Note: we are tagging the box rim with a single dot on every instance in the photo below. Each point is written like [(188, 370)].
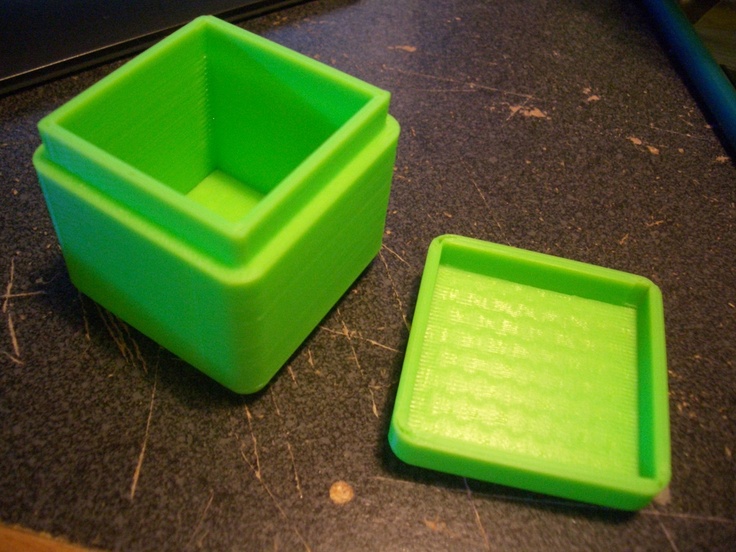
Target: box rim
[(147, 188), (242, 273)]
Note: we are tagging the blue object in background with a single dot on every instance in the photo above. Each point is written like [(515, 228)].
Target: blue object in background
[(712, 84)]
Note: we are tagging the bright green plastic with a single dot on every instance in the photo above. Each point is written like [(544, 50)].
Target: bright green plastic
[(536, 372), (220, 193)]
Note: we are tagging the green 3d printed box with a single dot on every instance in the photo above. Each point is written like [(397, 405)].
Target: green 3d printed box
[(536, 372), (220, 193)]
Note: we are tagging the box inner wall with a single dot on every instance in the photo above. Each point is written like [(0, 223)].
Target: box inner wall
[(216, 121)]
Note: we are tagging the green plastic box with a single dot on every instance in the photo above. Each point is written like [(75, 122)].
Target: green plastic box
[(220, 192), (536, 372)]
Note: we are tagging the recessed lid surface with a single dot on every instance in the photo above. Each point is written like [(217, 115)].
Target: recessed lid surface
[(536, 372)]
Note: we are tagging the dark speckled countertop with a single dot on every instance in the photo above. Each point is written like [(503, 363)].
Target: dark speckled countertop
[(560, 127)]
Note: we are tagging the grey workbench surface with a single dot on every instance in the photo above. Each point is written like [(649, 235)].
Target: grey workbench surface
[(560, 127)]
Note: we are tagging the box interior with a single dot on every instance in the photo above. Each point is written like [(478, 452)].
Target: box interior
[(215, 119), (536, 362)]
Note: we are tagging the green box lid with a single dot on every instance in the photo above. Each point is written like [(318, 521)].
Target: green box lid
[(536, 372)]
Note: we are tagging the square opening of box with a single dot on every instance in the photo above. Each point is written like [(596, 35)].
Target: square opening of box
[(214, 121)]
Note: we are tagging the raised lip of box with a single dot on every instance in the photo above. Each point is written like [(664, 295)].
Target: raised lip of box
[(414, 447), (242, 274), (232, 243)]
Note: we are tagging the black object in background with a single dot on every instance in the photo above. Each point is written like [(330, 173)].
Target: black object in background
[(44, 39)]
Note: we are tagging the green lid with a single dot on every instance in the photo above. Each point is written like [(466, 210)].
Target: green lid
[(536, 372)]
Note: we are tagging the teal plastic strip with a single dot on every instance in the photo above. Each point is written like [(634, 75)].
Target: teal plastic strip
[(714, 87)]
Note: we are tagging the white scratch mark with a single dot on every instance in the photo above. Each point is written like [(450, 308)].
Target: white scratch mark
[(424, 75), (346, 333), (393, 287), (137, 472), (467, 86), (477, 515), (694, 517), (9, 287), (273, 400), (114, 330), (683, 134), (667, 534), (297, 480), (506, 92), (330, 330), (443, 90), (257, 469), (202, 516), (138, 354), (377, 344), (121, 335), (485, 202), (15, 357), (84, 316), (24, 294), (360, 337), (13, 337), (395, 254), (17, 361)]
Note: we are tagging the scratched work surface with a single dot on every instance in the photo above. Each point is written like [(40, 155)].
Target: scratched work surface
[(560, 127)]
